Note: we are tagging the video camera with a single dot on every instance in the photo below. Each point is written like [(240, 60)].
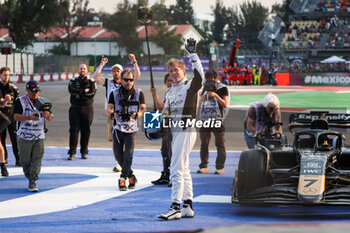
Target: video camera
[(43, 104), (210, 86), (124, 113)]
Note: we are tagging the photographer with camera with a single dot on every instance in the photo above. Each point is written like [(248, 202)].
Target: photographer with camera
[(125, 105), (30, 115), (260, 116), (11, 91), (213, 104), (81, 113)]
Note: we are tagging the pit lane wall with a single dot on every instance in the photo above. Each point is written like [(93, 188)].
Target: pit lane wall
[(313, 79)]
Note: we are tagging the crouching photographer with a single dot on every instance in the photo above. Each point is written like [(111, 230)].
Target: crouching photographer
[(125, 105), (263, 116), (30, 112)]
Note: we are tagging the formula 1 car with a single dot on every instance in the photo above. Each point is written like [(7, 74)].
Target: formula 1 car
[(314, 170)]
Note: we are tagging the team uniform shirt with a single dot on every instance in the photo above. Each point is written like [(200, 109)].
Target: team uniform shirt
[(76, 88), (29, 130)]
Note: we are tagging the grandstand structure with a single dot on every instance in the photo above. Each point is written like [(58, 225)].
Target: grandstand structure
[(317, 30)]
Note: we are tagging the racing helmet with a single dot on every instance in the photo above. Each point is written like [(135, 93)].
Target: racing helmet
[(153, 134)]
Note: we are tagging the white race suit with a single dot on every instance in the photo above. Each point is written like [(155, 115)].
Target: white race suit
[(180, 104)]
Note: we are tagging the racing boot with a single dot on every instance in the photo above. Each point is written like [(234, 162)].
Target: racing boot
[(187, 209), (173, 212), (4, 171)]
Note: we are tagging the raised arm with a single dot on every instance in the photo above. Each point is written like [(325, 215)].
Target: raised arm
[(136, 66), (97, 75), (190, 48)]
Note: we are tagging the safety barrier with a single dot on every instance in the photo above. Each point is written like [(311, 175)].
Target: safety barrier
[(50, 77), (313, 79)]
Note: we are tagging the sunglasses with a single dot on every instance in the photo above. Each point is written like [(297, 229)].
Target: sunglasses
[(128, 80)]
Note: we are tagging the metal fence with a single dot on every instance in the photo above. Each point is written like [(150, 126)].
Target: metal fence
[(52, 64), (19, 63)]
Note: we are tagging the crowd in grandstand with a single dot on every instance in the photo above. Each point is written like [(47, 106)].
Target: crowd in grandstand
[(240, 74), (315, 67), (333, 5)]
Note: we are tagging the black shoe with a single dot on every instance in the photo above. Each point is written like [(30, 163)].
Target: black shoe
[(132, 182), (18, 163), (84, 156), (32, 186), (4, 171), (163, 180), (71, 157)]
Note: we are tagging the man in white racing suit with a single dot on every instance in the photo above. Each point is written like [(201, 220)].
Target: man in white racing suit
[(180, 104)]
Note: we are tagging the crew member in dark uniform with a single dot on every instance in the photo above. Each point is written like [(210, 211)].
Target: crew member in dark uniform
[(81, 112), (7, 88)]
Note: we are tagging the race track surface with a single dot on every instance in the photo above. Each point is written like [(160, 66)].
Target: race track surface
[(82, 196)]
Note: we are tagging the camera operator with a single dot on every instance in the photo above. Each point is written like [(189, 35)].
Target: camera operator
[(31, 132), (257, 116), (10, 90), (125, 105), (81, 112), (213, 105), (111, 84)]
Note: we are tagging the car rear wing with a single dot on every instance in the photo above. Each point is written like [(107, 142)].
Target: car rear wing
[(303, 120)]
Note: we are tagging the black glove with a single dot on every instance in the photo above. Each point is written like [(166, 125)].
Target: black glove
[(190, 46)]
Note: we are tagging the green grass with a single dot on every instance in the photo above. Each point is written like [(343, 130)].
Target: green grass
[(314, 100)]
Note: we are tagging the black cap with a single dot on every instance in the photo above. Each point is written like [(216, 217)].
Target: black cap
[(33, 86)]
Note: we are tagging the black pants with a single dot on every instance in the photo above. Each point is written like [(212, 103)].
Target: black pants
[(166, 151), (12, 132), (219, 134), (123, 149), (80, 119)]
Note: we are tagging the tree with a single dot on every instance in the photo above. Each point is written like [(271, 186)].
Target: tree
[(282, 10), (246, 22), (76, 15), (167, 40), (160, 11), (124, 22), (25, 18), (181, 12), (220, 15), (163, 37)]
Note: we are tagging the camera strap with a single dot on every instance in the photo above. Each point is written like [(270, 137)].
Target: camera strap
[(31, 105)]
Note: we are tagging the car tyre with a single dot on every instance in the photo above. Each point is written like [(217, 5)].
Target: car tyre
[(252, 172)]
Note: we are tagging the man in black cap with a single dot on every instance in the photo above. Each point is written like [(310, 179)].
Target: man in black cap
[(81, 113), (31, 132), (7, 88)]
